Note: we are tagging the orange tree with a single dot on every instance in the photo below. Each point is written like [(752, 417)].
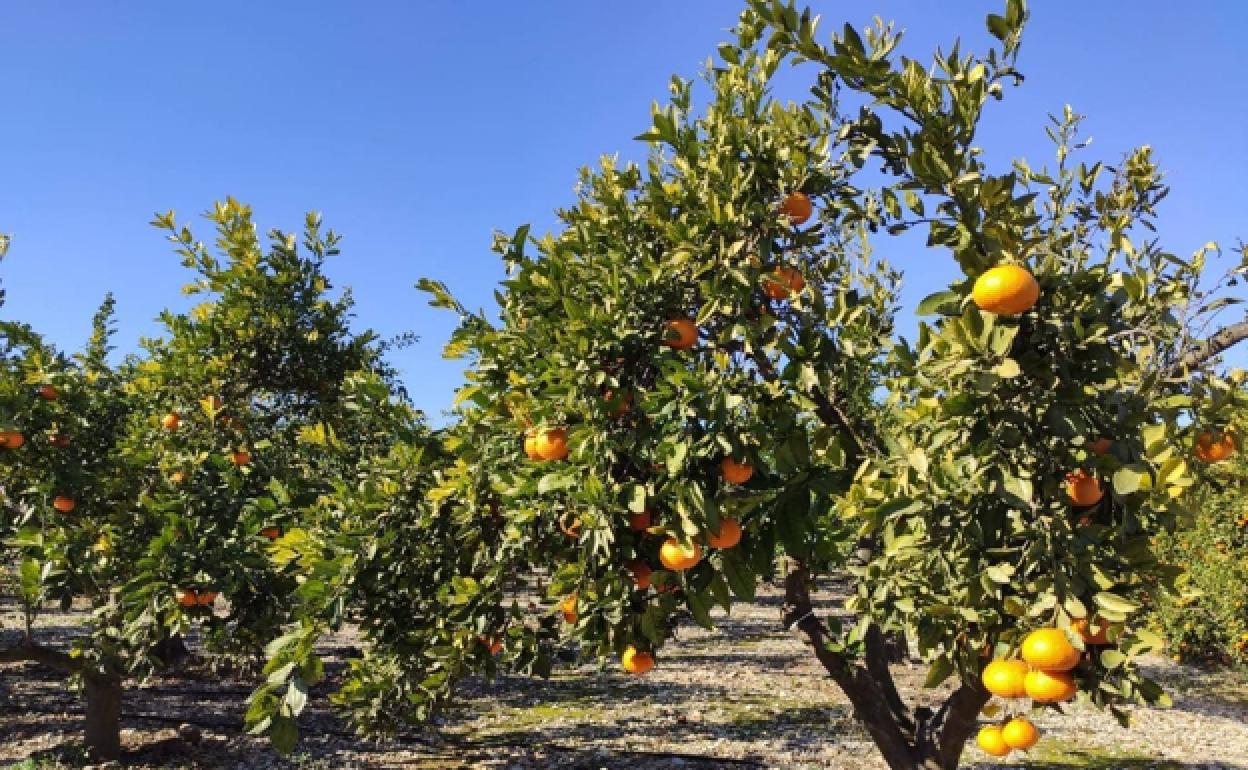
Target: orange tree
[(699, 373), (152, 489)]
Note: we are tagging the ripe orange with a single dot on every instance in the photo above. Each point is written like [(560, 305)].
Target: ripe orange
[(1214, 446), (1101, 446), (1020, 733), (241, 457), (641, 573), (48, 393), (797, 208), (11, 439), (186, 597), (1050, 686), (1006, 290), (678, 557), (530, 446), (1083, 488), (635, 661), (1085, 630), (1004, 678), (735, 472), (271, 533), (568, 608), (493, 645), (990, 740), (728, 536), (177, 477), (552, 444), (680, 334), (171, 421), (64, 504), (782, 282), (1048, 649), (639, 522), (59, 440), (205, 598)]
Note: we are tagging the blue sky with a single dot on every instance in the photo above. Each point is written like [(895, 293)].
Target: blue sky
[(419, 128)]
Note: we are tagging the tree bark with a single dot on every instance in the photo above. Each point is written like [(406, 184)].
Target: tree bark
[(1217, 343), (103, 718)]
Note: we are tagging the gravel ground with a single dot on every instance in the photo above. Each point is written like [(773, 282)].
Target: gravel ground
[(747, 695)]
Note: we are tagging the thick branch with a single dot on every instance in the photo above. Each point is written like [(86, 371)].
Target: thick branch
[(1215, 344), (877, 663), (28, 651)]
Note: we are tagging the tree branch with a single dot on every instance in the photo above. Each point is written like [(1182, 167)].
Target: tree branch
[(28, 651), (1216, 343)]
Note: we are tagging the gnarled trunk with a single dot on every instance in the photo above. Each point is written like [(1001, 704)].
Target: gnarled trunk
[(908, 740), (103, 728)]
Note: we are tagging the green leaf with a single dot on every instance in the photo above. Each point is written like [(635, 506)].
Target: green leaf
[(284, 734), (941, 669), (942, 302), (1127, 481)]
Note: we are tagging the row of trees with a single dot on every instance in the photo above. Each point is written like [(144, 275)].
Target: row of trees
[(697, 374)]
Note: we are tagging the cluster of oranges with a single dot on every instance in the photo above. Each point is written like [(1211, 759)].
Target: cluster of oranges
[(14, 439), (1043, 674)]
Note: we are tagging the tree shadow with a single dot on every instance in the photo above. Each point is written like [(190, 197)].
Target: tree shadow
[(1093, 759)]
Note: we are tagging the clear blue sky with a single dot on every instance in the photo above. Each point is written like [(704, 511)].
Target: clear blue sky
[(418, 128)]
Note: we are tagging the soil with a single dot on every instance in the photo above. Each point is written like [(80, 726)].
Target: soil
[(748, 694)]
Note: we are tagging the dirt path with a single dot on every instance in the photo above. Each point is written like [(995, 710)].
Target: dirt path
[(747, 695)]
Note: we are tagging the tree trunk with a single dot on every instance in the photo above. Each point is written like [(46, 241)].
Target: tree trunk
[(103, 730), (918, 740)]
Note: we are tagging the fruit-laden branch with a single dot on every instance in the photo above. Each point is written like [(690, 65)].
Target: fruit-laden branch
[(1215, 344), (28, 651)]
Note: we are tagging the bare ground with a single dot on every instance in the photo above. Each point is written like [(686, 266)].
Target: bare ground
[(746, 695)]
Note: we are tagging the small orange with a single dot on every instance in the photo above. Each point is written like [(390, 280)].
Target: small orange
[(205, 598), (59, 440), (186, 597), (1214, 446), (177, 477), (1020, 733), (635, 661), (640, 522), (618, 405), (568, 608), (782, 282), (64, 504), (990, 740), (728, 536), (48, 393), (1048, 649), (735, 472), (1050, 686), (495, 646), (680, 334), (797, 208), (552, 444), (1084, 628), (1101, 446), (11, 439), (678, 557), (271, 533), (1083, 488), (1004, 678), (641, 573), (1006, 290), (530, 446), (240, 457), (171, 421)]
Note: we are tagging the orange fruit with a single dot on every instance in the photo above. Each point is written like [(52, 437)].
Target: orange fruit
[(728, 536), (530, 446), (1004, 678), (495, 646), (639, 522), (205, 598), (618, 405), (635, 661), (59, 440), (1083, 488), (782, 282), (1214, 446), (680, 334), (171, 421), (797, 208), (735, 472), (1084, 628), (186, 597), (1048, 649), (568, 608), (48, 393), (241, 457), (1101, 446), (641, 573), (11, 439), (177, 477), (1006, 290), (552, 444), (678, 557), (1020, 733), (1050, 686), (271, 533), (64, 504), (990, 740)]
